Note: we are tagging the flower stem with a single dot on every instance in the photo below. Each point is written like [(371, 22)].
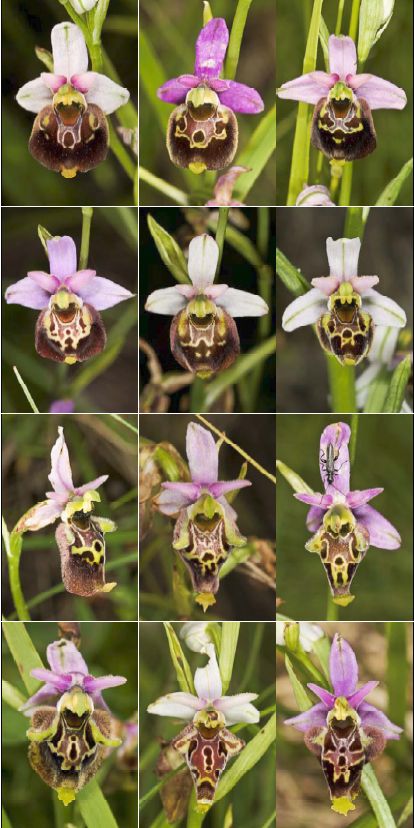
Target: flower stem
[(13, 546), (87, 213), (125, 422), (342, 386), (339, 16), (237, 448), (176, 195), (221, 233), (26, 391), (346, 185), (331, 609), (236, 36)]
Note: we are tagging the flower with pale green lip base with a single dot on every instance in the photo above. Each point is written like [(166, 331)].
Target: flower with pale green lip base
[(70, 133), (205, 529), (69, 328), (344, 724), (80, 535), (344, 306), (203, 334), (207, 736), (342, 126), (344, 525)]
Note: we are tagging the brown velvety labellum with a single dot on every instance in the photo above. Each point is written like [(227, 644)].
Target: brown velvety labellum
[(204, 345), (342, 130), (206, 552), (68, 142), (82, 558), (79, 336), (210, 141)]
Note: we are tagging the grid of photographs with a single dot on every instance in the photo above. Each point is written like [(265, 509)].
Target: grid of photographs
[(199, 375)]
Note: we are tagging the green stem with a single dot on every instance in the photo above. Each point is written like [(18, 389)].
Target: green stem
[(13, 562), (26, 391), (346, 185), (353, 25), (119, 150), (125, 423), (176, 195), (221, 233), (331, 609), (236, 37), (237, 448), (87, 213), (263, 227), (339, 16), (342, 386)]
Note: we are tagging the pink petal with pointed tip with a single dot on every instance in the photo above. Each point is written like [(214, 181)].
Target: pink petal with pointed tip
[(202, 454), (356, 698), (343, 667), (363, 283), (61, 472), (342, 56), (326, 284), (309, 88), (359, 497), (322, 502), (241, 98), (27, 293), (103, 293), (370, 715), (52, 81), (64, 657), (93, 484), (79, 279), (382, 533), (95, 685), (211, 48), (61, 682), (175, 90), (223, 487), (62, 257), (314, 717), (324, 695), (378, 93), (44, 280)]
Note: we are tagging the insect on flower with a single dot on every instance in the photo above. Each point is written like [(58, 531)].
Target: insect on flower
[(342, 125), (342, 730), (202, 131), (72, 729), (70, 132), (80, 535)]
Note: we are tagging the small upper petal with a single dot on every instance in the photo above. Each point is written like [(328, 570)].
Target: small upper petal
[(34, 95), (49, 283), (241, 98), (242, 303), (211, 48), (342, 56), (52, 81), (360, 497), (102, 293), (305, 310), (314, 717), (356, 698), (207, 680), (326, 284), (343, 667), (92, 485), (308, 88), (382, 533), (363, 283), (384, 311), (202, 454), (70, 55), (325, 696), (101, 91), (203, 253), (378, 93), (224, 486), (322, 502), (61, 474), (343, 255), (79, 280), (175, 90), (27, 293), (96, 685), (167, 301), (178, 705), (62, 256)]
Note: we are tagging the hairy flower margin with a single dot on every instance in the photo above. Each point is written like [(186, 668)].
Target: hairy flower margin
[(343, 730), (203, 335), (345, 526), (80, 534), (70, 133), (344, 306), (202, 131), (72, 729), (205, 529), (69, 328), (205, 743)]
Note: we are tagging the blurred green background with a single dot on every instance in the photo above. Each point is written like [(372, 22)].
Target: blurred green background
[(383, 582), (386, 250), (97, 445), (108, 380), (253, 797), (384, 653), (107, 649), (391, 58), (28, 24), (234, 271), (170, 29), (239, 597)]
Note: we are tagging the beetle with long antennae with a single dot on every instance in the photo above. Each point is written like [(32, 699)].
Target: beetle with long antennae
[(327, 460)]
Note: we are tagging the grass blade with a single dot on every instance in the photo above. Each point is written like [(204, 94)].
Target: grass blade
[(301, 695), (248, 758), (377, 799), (94, 807), (374, 17), (170, 252), (261, 145), (397, 387), (290, 275), (391, 192), (182, 667), (24, 652), (229, 637), (244, 364)]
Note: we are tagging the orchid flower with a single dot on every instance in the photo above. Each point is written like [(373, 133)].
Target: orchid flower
[(345, 525), (202, 131), (79, 536), (69, 328), (314, 196), (223, 188), (67, 669), (71, 728), (203, 334), (70, 133), (209, 714), (342, 126), (343, 724), (344, 306), (205, 529), (381, 356)]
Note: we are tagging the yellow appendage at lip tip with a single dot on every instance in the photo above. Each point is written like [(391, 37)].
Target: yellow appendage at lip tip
[(341, 805), (197, 167), (66, 795), (65, 173), (70, 360), (343, 600), (205, 599)]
